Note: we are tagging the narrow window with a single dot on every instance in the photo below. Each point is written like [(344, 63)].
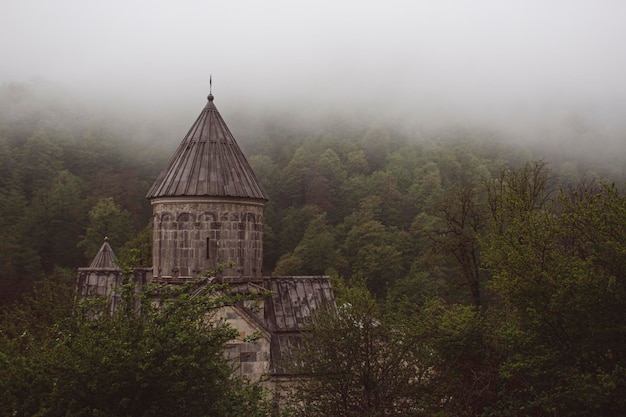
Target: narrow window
[(208, 251)]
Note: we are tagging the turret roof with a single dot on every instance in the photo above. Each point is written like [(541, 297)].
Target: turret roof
[(208, 162), (105, 258)]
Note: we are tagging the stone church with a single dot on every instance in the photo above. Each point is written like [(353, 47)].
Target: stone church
[(208, 211)]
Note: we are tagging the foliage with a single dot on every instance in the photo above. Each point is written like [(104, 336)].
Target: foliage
[(55, 220), (557, 266), (57, 161), (357, 362), (513, 288), (106, 219), (314, 254), (454, 231), (464, 380), (158, 354), (549, 342)]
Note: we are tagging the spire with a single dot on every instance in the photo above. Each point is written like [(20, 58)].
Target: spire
[(210, 97), (208, 163), (105, 258)]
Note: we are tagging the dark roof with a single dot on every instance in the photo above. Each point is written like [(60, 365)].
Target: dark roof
[(105, 258), (294, 300), (208, 162), (289, 310)]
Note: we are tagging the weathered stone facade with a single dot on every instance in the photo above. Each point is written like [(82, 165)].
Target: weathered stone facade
[(208, 212), (193, 235)]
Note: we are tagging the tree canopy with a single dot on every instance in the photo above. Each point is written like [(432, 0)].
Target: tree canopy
[(502, 269), (157, 355)]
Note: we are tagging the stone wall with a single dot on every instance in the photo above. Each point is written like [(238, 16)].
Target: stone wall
[(249, 352), (195, 235)]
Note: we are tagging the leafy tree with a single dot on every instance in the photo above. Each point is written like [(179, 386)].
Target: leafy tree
[(40, 161), (296, 177), (353, 191), (457, 223), (19, 263), (8, 164), (294, 223), (138, 250), (558, 268), (356, 163), (106, 219), (332, 172), (376, 145), (271, 177), (55, 221), (404, 163), (163, 359), (464, 378), (426, 186), (375, 255), (395, 208), (358, 362), (314, 254), (414, 289), (126, 189)]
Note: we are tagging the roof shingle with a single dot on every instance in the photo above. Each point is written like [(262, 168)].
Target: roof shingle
[(208, 163), (105, 258)]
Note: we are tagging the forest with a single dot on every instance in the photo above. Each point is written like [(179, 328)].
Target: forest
[(474, 276)]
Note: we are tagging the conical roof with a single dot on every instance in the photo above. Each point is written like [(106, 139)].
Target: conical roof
[(105, 258), (208, 162)]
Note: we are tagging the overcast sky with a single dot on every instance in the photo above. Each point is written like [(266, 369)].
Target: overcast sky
[(518, 61)]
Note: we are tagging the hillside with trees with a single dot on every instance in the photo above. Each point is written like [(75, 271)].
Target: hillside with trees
[(68, 178), (474, 276)]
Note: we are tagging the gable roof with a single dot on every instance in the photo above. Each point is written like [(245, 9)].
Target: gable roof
[(208, 162), (287, 311)]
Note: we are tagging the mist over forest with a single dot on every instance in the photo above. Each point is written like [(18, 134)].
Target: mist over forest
[(592, 135), (457, 169), (544, 75)]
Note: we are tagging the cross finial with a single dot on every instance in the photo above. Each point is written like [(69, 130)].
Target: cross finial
[(210, 97)]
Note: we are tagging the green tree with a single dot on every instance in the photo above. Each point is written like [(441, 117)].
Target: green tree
[(359, 362), (56, 219), (314, 254), (296, 177), (558, 267), (295, 221), (138, 250), (19, 263), (40, 161), (164, 358), (356, 163), (395, 208), (330, 171), (464, 376), (376, 145), (427, 185), (106, 219), (375, 255), (455, 228), (8, 164)]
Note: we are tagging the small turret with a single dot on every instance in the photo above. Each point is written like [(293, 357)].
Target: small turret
[(105, 258)]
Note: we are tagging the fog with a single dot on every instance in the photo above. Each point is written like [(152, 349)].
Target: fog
[(544, 71)]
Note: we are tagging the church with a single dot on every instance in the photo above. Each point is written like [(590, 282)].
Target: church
[(207, 215)]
